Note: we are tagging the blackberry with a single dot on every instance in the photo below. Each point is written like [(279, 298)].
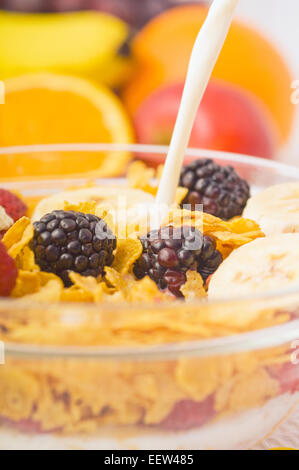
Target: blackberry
[(170, 252), (67, 241), (220, 189)]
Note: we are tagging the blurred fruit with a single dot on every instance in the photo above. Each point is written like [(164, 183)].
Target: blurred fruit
[(228, 119), (67, 5), (23, 5), (135, 12), (75, 43), (188, 414), (117, 71), (45, 109), (287, 375), (162, 50)]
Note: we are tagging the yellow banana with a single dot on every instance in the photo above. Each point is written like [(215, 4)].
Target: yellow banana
[(76, 43)]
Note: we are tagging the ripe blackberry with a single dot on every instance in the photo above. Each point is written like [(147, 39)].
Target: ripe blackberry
[(170, 252), (220, 189), (67, 241)]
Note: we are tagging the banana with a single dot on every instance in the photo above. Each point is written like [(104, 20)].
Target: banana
[(74, 43), (276, 209), (266, 265), (112, 197)]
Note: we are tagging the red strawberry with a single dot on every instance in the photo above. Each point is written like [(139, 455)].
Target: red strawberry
[(27, 426), (8, 272), (188, 414), (288, 377), (12, 204)]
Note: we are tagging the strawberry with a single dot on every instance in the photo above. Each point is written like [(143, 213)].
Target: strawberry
[(288, 377), (8, 272), (188, 414), (12, 204)]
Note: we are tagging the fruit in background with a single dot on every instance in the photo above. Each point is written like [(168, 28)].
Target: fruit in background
[(162, 50), (48, 108), (66, 5), (23, 5), (82, 43), (135, 12), (228, 119), (116, 71)]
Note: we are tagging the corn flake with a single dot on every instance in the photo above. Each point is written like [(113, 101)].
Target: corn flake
[(89, 284), (194, 287), (127, 252), (50, 292), (27, 283), (140, 177), (181, 193), (18, 236), (87, 207), (25, 260), (74, 294), (47, 277), (115, 278)]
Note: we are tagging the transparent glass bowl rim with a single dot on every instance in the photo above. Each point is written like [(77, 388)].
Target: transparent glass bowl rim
[(269, 337)]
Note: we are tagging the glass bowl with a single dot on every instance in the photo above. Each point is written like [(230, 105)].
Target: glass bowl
[(201, 375)]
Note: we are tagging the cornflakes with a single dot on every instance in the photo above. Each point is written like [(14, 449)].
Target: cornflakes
[(87, 207), (127, 252), (194, 287), (94, 289), (27, 283), (114, 278), (18, 236), (72, 395), (50, 292), (75, 294), (140, 177), (25, 260), (18, 390)]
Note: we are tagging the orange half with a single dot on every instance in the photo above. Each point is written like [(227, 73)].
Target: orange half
[(48, 109)]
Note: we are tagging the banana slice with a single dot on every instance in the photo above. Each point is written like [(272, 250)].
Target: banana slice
[(110, 196), (276, 209), (265, 265)]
